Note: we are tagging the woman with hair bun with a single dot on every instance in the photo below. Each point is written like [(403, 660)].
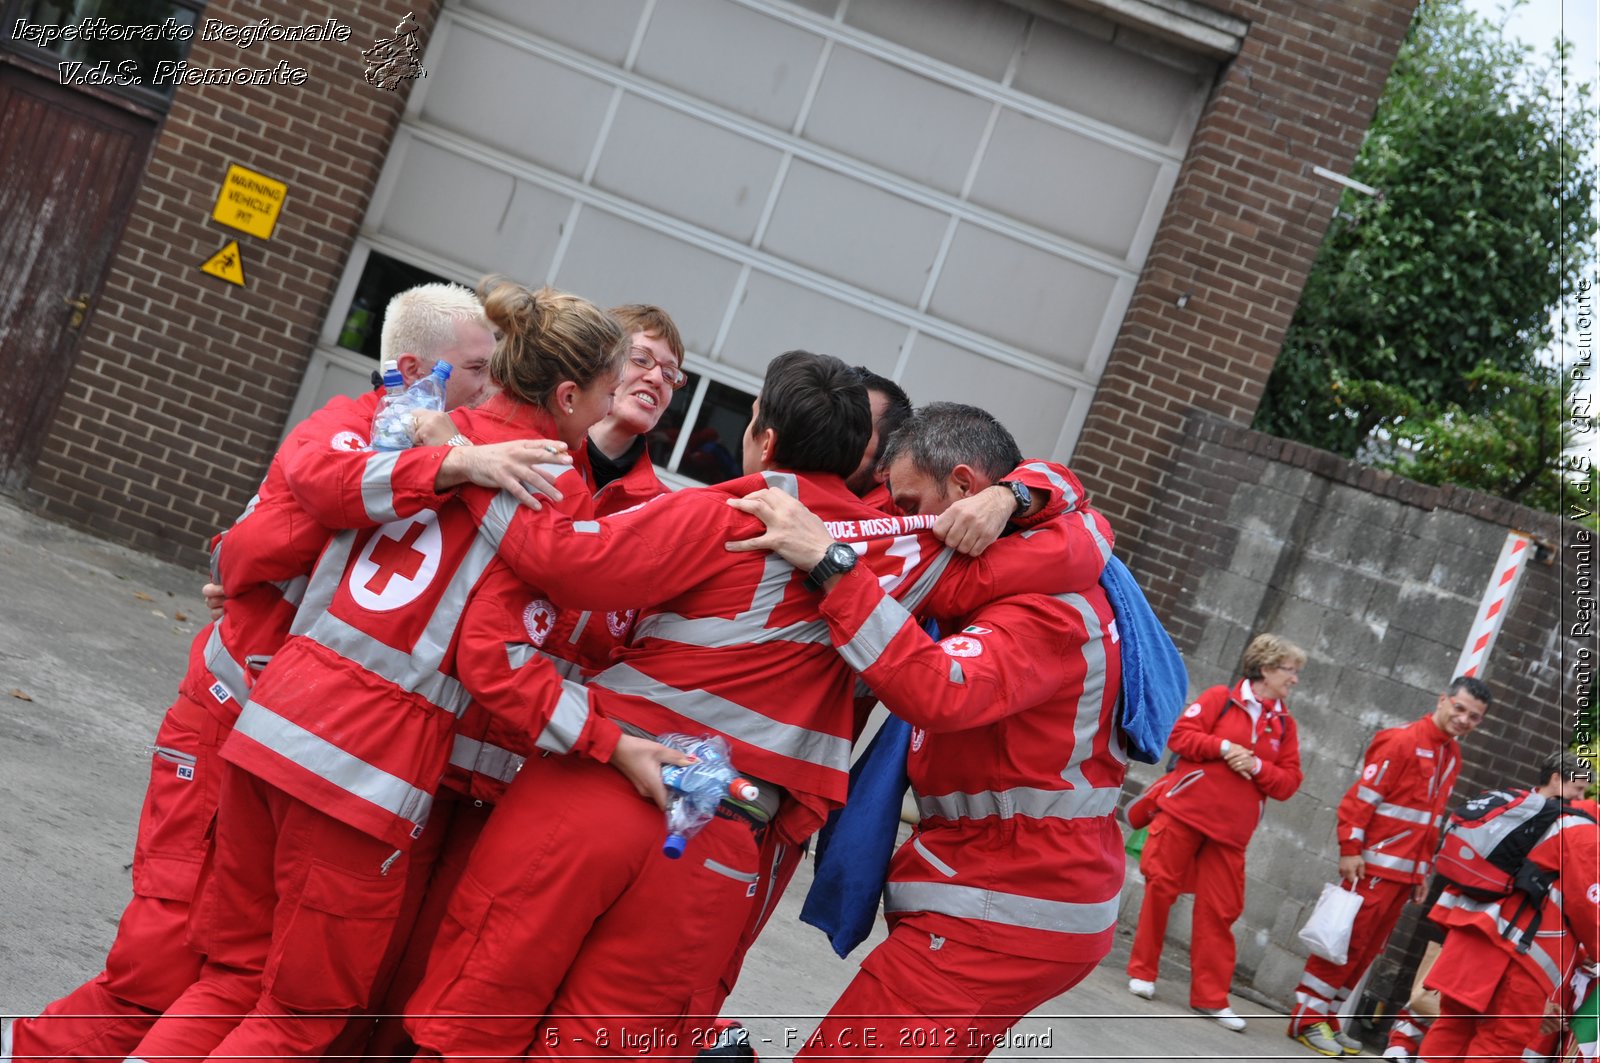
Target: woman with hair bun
[(332, 768), (1236, 747)]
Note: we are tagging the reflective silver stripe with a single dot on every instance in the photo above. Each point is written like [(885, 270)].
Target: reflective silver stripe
[(730, 872), (485, 758), (938, 865), (327, 761), (1086, 715), (504, 506), (1370, 796), (177, 756), (567, 719), (1318, 986), (1406, 1028), (731, 718), (587, 527), (1311, 1002), (1094, 530), (377, 487), (956, 674), (1401, 812), (1022, 801), (412, 672), (577, 629), (292, 589), (872, 639), (1358, 834), (969, 902), (913, 597), (1393, 863), (1452, 899), (228, 672), (720, 632), (325, 579), (520, 653), (1055, 481)]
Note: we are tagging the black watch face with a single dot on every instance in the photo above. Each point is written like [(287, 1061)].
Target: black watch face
[(841, 556)]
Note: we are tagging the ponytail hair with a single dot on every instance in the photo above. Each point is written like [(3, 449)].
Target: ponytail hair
[(548, 336)]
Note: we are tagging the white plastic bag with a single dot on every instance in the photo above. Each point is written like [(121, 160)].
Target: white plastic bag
[(1327, 932)]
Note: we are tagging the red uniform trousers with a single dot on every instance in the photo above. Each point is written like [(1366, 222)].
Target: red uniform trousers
[(388, 1038), (1407, 1032), (1180, 859), (1506, 1031), (778, 862), (1325, 986), (918, 994), (150, 962), (569, 910), (300, 921)]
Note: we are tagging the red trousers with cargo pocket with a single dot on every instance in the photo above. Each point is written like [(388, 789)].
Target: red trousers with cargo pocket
[(1180, 859), (304, 910), (570, 934), (151, 961)]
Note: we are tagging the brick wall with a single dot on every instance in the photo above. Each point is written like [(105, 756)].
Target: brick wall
[(184, 381), (1238, 238), (1379, 578)]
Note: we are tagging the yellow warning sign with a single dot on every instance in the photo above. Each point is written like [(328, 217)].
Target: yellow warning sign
[(226, 264), (249, 201)]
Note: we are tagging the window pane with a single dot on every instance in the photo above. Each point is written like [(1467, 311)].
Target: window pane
[(714, 452), (121, 44), (382, 279)]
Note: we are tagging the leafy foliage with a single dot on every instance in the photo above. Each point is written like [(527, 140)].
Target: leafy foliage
[(1426, 305)]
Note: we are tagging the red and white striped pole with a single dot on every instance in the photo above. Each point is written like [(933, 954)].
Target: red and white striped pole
[(1496, 602)]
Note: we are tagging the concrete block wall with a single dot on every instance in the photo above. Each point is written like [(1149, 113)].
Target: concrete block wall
[(183, 381), (1379, 578)]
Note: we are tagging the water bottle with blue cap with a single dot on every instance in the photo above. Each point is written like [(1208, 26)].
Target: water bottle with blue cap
[(392, 424), (696, 789)]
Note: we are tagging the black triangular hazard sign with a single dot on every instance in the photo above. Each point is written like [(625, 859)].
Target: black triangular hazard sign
[(226, 264)]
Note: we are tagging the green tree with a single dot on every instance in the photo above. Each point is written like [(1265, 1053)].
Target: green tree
[(1483, 155), (1519, 444)]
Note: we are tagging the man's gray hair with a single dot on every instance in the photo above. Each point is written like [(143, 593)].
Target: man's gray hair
[(422, 320), (942, 435)]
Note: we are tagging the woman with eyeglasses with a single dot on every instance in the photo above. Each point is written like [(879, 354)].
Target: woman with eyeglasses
[(619, 445), (1237, 746)]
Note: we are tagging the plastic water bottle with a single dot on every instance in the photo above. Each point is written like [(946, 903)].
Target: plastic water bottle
[(392, 423), (384, 437), (698, 788)]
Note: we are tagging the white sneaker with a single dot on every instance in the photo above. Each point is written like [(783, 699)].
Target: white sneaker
[(1396, 1052), (1223, 1017), (1320, 1038), (1140, 988), (1350, 1045)]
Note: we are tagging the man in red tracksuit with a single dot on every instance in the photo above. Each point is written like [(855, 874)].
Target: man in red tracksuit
[(1389, 823), (1496, 987), (1006, 895), (1236, 746), (158, 950), (538, 939)]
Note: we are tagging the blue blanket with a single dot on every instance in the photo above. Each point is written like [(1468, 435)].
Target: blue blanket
[(1155, 683)]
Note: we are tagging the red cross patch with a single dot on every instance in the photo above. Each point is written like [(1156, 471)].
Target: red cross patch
[(539, 618), (348, 441), (962, 646)]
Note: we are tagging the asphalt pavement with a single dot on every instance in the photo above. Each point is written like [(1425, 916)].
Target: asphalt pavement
[(93, 641)]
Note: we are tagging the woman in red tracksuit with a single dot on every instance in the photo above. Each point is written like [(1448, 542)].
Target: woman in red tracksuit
[(333, 763), (1236, 746)]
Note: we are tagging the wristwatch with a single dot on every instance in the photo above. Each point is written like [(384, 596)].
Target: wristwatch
[(837, 559), (1020, 492)]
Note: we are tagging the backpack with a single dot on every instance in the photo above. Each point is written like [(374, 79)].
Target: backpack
[(1484, 852)]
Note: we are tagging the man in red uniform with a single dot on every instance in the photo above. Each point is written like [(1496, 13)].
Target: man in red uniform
[(1389, 823), (1496, 985), (1562, 777), (1236, 746), (1006, 895), (151, 960), (539, 939)]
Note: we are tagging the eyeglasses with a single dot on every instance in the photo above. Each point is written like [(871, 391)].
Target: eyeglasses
[(673, 374)]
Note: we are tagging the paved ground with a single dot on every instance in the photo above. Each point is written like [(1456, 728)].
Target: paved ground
[(93, 639)]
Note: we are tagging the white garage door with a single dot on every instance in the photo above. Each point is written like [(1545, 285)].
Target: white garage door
[(958, 194)]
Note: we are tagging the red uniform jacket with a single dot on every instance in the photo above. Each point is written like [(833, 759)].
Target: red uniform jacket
[(1206, 793), (1476, 955), (733, 642), (1016, 761), (1392, 815), (357, 712)]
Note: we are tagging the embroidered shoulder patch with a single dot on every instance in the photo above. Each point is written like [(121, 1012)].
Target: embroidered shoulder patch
[(538, 618), (962, 646), (348, 440)]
